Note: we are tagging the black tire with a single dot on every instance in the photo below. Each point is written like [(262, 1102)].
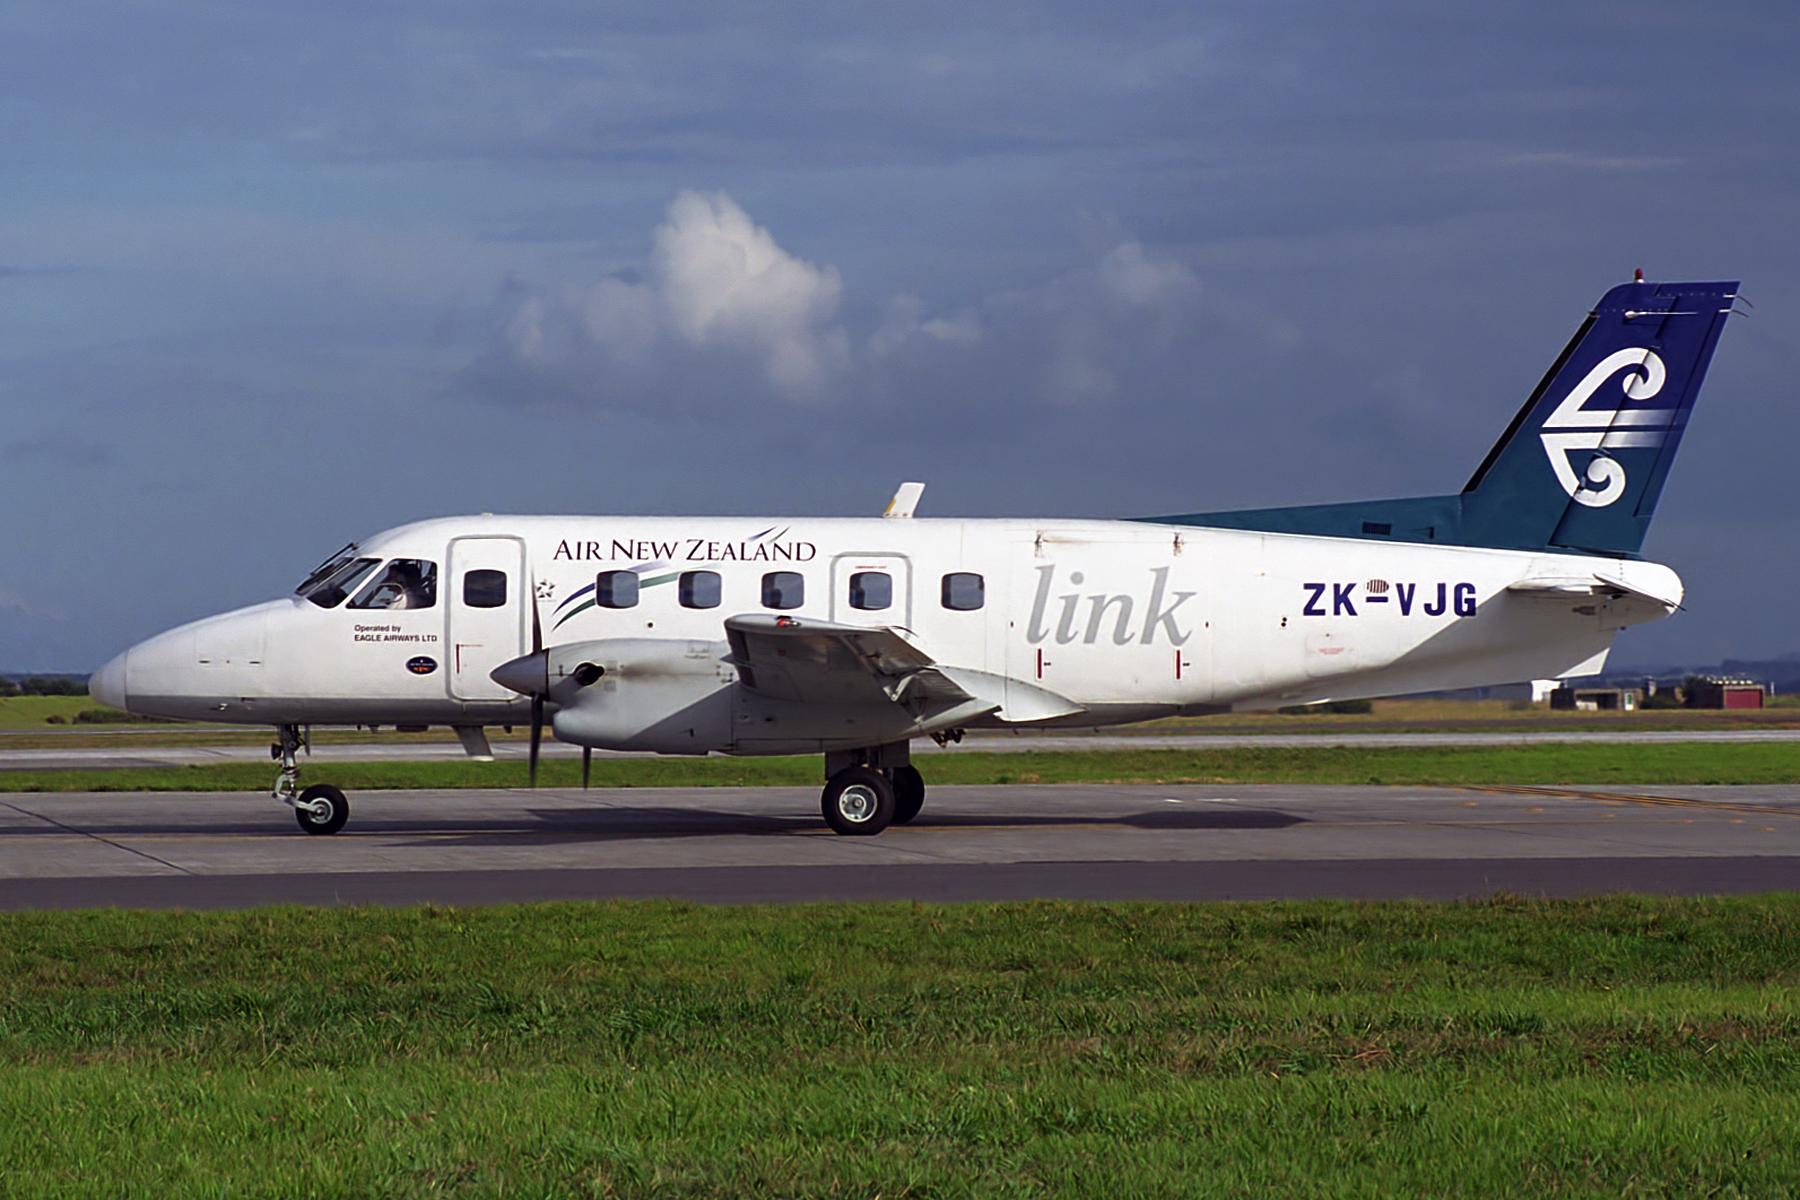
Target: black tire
[(909, 794), (858, 802), (333, 820)]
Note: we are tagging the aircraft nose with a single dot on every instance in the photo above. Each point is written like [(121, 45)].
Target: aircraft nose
[(108, 684)]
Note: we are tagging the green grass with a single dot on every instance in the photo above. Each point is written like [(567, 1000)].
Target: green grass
[(1609, 1047), (30, 712), (49, 714), (1672, 763)]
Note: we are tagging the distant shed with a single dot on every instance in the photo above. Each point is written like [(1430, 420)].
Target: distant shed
[(1724, 693), (1594, 699)]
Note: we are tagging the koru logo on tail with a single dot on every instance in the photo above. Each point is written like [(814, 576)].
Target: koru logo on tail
[(1606, 429)]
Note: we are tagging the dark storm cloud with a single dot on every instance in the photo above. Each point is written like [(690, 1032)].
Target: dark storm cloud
[(62, 449), (315, 270)]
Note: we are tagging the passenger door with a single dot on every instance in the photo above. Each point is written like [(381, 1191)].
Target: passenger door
[(860, 581), (487, 613)]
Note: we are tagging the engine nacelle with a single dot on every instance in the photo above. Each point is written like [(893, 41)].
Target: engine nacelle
[(674, 696), (663, 694)]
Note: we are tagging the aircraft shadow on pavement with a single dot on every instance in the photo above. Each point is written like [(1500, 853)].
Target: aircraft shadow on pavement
[(622, 824)]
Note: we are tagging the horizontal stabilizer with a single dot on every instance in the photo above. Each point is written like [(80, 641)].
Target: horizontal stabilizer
[(1659, 586), (1558, 588)]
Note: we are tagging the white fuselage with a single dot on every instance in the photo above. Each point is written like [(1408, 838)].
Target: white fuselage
[(1128, 620)]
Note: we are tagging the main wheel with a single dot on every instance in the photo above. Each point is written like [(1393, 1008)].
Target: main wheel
[(337, 809), (858, 801), (909, 794)]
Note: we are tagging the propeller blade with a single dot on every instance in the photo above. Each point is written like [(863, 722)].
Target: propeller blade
[(537, 697), (537, 734), (587, 761)]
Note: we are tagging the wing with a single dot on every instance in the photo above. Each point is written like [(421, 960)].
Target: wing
[(818, 662)]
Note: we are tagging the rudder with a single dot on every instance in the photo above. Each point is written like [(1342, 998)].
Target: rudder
[(1583, 463)]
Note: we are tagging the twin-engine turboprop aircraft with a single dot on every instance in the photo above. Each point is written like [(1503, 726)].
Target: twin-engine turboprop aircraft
[(688, 635)]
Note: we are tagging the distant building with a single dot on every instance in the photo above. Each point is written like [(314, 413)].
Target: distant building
[(1777, 677), (1708, 692), (1781, 674), (1594, 699)]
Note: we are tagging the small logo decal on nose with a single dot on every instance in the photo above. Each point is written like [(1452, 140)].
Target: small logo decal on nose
[(421, 665)]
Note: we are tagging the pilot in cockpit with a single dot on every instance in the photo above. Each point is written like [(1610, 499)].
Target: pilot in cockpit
[(407, 583)]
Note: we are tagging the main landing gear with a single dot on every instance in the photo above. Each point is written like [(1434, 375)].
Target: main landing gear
[(868, 790), (321, 808)]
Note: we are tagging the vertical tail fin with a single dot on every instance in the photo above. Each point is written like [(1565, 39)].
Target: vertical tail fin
[(1582, 464)]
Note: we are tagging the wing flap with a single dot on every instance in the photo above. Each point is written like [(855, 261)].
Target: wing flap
[(1017, 702), (819, 662)]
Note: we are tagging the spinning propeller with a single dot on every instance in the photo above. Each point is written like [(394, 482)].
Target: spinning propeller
[(529, 675), (537, 699)]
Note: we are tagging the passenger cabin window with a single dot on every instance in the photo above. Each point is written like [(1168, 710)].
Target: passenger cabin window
[(616, 589), (698, 589), (484, 589), (329, 590), (871, 591), (964, 591), (783, 589), (405, 583)]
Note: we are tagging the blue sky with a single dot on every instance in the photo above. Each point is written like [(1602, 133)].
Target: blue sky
[(273, 277)]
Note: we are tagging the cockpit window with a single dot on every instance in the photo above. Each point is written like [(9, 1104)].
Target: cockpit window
[(406, 583), (329, 592), (326, 569)]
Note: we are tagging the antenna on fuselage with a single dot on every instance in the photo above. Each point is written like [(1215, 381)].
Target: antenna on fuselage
[(905, 500)]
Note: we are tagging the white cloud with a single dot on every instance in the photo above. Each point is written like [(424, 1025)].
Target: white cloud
[(1130, 276), (1103, 320), (719, 282), (725, 279), (724, 313)]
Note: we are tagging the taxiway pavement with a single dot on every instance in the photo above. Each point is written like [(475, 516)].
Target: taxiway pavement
[(740, 845), (128, 754)]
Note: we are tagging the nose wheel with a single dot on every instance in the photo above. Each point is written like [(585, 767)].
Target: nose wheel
[(321, 808)]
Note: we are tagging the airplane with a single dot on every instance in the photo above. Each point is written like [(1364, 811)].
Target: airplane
[(850, 637)]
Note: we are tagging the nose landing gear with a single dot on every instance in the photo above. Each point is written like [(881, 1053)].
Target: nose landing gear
[(321, 808)]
